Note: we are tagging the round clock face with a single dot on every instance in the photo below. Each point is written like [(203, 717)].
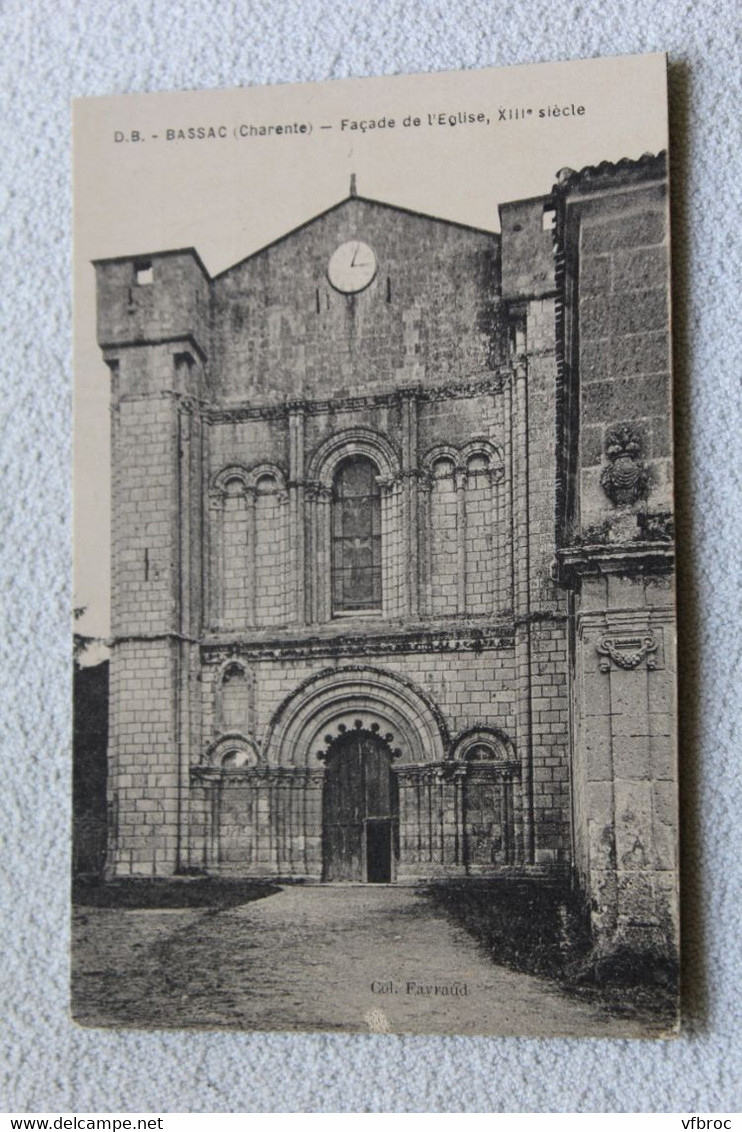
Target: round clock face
[(352, 267)]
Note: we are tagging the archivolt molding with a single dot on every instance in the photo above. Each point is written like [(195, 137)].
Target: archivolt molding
[(248, 476), (267, 471), (373, 730), (460, 458), (234, 660), (228, 474), (440, 452), (480, 446), (353, 442), (503, 749), (338, 697), (226, 744)]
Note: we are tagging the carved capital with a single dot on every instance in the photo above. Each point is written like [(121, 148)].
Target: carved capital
[(491, 475), (315, 491)]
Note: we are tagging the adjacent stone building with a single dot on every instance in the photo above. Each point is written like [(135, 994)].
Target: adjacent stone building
[(392, 557)]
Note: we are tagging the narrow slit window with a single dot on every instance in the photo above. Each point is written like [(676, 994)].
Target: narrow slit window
[(144, 274)]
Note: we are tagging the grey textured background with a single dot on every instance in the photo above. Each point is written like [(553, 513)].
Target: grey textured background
[(52, 52)]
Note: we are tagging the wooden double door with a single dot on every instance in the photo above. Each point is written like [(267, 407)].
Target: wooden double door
[(359, 810)]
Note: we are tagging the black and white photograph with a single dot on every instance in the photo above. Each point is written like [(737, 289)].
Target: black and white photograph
[(374, 676)]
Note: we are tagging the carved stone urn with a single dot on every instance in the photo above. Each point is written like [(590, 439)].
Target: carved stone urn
[(624, 478)]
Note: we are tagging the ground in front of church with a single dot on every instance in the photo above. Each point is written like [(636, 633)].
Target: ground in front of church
[(343, 958)]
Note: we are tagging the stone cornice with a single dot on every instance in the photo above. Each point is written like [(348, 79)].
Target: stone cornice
[(270, 775), (628, 558), (539, 615), (228, 414), (166, 340), (350, 644), (452, 769), (612, 174), (625, 617), (124, 638)]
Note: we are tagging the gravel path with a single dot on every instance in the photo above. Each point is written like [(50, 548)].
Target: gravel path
[(356, 958)]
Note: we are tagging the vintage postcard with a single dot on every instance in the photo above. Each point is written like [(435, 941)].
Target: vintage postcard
[(375, 638)]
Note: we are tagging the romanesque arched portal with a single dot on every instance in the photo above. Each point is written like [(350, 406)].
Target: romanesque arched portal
[(337, 697), (357, 780)]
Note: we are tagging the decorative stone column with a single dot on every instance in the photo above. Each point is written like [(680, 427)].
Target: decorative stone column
[(425, 485), (297, 524), (313, 821), (460, 479), (252, 614), (410, 524), (522, 604), (497, 480), (393, 546), (215, 575), (318, 571)]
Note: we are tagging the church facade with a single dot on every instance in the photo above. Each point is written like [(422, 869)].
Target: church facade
[(392, 551)]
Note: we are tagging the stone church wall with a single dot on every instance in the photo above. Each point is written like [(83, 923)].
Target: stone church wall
[(624, 349), (620, 561), (513, 393), (431, 310), (469, 688), (144, 786)]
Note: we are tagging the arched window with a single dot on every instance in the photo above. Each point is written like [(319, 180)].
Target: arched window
[(356, 537), (442, 534)]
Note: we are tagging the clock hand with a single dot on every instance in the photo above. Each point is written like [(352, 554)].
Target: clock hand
[(355, 253)]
